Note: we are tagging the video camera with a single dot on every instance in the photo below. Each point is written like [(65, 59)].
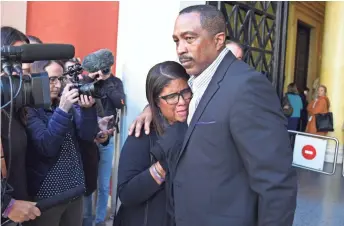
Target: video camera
[(100, 60), (28, 90), (90, 89)]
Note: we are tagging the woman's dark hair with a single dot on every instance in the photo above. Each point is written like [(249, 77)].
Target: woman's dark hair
[(39, 66), (158, 77), (34, 39), (10, 35), (292, 88)]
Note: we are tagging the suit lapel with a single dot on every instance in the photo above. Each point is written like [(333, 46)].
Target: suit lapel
[(207, 96)]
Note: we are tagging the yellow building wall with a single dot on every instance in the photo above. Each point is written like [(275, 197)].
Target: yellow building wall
[(312, 14), (332, 66)]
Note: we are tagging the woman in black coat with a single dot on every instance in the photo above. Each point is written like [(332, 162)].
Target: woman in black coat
[(142, 167)]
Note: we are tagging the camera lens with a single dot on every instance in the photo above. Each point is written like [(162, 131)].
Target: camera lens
[(92, 89), (35, 90)]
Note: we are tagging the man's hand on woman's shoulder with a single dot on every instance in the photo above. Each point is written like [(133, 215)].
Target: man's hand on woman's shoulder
[(144, 119)]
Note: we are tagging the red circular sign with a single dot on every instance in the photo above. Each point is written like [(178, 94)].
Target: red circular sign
[(309, 152)]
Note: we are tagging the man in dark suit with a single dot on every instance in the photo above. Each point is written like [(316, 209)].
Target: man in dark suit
[(235, 166)]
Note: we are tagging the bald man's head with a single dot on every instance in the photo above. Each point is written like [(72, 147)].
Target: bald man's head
[(236, 49)]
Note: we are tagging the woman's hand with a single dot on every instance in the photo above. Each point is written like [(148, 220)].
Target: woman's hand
[(68, 98), (86, 101), (23, 211)]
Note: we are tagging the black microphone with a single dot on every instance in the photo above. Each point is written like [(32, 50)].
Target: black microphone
[(29, 53)]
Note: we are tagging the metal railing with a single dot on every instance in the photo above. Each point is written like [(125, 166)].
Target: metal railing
[(324, 138)]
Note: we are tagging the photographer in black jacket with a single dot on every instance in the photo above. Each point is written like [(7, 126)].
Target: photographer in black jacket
[(14, 197), (99, 64)]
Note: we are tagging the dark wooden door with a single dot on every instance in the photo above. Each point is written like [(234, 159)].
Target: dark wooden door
[(302, 55)]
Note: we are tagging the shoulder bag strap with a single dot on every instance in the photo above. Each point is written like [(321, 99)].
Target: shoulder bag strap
[(145, 223)]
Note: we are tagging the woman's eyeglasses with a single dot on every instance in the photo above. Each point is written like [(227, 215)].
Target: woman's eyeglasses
[(173, 98)]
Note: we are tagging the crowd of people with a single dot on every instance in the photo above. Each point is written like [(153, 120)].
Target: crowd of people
[(65, 147), (301, 114), (200, 153)]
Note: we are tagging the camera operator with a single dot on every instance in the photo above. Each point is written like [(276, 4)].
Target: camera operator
[(103, 121), (54, 156), (90, 151), (99, 64), (14, 196)]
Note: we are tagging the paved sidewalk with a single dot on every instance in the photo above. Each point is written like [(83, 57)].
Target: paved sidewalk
[(320, 200)]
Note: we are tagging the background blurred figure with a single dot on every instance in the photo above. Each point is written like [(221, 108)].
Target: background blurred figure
[(236, 49), (304, 113), (320, 105), (34, 39), (71, 62), (296, 103)]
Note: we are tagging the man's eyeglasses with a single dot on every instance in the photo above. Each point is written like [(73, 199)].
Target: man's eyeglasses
[(173, 98), (54, 79)]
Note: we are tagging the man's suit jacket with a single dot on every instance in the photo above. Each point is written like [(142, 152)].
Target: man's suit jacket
[(235, 167)]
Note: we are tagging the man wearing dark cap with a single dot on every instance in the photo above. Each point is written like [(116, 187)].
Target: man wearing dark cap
[(99, 64)]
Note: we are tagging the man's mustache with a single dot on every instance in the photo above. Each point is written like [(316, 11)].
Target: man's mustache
[(184, 58)]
